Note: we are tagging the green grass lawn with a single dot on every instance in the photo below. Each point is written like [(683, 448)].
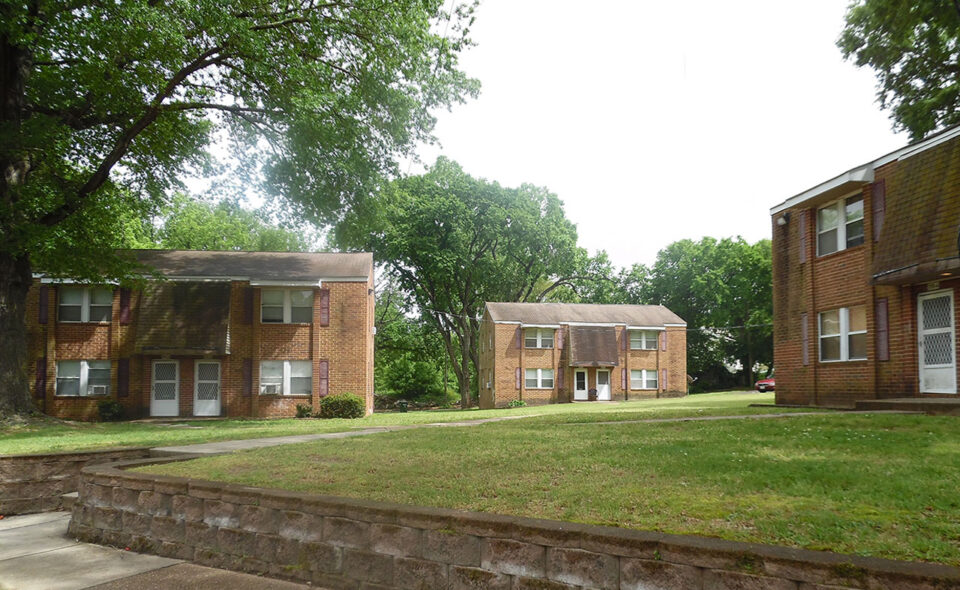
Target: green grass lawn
[(880, 484), (48, 435)]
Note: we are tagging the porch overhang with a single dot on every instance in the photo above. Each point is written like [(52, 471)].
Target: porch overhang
[(184, 318), (940, 269), (593, 346)]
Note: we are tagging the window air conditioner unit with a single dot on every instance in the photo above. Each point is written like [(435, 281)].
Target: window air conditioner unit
[(99, 389), (272, 389)]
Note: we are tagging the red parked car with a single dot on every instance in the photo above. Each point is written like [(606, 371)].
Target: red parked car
[(768, 384)]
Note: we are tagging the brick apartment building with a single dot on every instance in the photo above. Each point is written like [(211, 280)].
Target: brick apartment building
[(226, 334), (865, 278), (559, 352)]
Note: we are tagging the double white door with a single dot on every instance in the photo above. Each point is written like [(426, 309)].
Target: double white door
[(165, 388)]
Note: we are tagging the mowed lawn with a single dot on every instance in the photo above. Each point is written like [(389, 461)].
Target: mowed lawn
[(879, 484), (49, 435)]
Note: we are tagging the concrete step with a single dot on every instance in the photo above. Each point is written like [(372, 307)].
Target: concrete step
[(927, 405), (69, 500)]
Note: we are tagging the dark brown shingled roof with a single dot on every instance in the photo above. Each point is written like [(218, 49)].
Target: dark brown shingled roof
[(919, 236), (184, 318), (259, 266), (593, 346), (585, 313)]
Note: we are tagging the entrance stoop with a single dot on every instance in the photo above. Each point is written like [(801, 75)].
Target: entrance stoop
[(927, 405)]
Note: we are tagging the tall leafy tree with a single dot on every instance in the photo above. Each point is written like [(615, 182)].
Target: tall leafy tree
[(104, 106), (200, 225), (454, 242), (913, 48)]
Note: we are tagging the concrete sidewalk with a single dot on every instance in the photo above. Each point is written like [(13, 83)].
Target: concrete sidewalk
[(37, 554), (229, 446)]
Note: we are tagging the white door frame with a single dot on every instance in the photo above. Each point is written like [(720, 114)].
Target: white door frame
[(207, 407), (165, 407), (581, 394), (940, 378), (600, 392)]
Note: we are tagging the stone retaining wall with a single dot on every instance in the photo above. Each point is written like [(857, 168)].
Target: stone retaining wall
[(36, 483), (342, 543)]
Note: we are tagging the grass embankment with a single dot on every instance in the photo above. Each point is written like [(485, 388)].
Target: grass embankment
[(49, 435), (881, 485)]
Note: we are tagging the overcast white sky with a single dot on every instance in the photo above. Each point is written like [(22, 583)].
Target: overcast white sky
[(658, 121)]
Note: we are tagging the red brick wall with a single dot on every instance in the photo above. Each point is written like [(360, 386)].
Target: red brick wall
[(346, 343), (841, 279)]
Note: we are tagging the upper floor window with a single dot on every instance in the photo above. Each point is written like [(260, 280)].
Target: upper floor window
[(85, 304), (840, 225), (843, 334), (538, 338), (83, 378), (286, 306), (643, 339)]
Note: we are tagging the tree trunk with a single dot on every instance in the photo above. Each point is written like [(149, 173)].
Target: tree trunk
[(15, 279), (465, 341)]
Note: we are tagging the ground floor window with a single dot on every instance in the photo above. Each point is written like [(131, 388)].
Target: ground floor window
[(643, 379), (843, 334), (83, 378), (286, 377), (539, 378)]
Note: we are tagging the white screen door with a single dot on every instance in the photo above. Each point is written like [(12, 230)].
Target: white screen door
[(937, 347), (165, 389), (206, 388), (603, 384), (580, 385)]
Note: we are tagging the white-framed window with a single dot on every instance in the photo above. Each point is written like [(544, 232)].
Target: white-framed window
[(644, 339), (840, 225), (286, 306), (643, 379), (83, 378), (539, 378), (843, 334), (85, 304), (538, 337), (286, 377)]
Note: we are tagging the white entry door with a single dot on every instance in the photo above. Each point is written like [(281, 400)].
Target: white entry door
[(580, 385), (165, 389), (206, 388), (937, 346), (603, 384)]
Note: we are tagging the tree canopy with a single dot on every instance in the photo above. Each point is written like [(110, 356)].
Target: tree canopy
[(454, 242), (106, 107), (913, 48)]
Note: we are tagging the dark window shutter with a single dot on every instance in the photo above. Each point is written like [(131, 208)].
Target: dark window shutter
[(805, 338), (879, 193), (663, 379), (560, 373), (246, 385), (518, 377), (663, 340), (323, 378), (560, 339), (124, 306), (625, 340), (802, 234), (324, 307), (519, 339), (248, 305), (623, 379), (883, 331), (40, 385), (123, 376), (44, 304)]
